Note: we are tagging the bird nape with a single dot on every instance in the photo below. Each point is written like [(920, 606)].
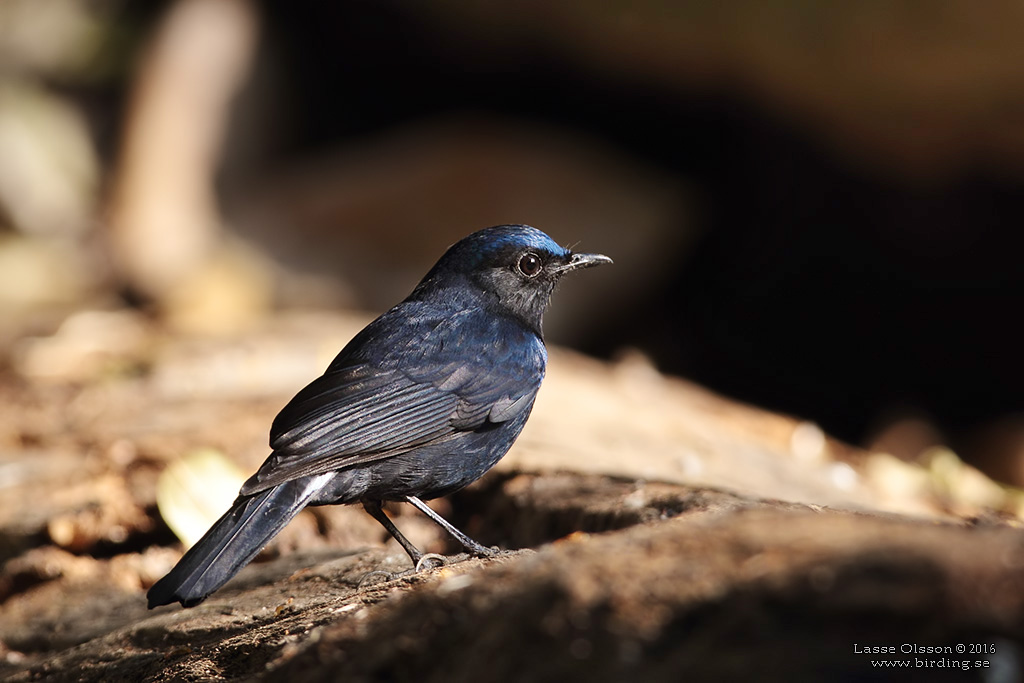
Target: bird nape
[(422, 402)]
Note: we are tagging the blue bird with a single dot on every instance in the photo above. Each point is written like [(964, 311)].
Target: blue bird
[(422, 402)]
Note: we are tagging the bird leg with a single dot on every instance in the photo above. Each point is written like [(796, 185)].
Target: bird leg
[(467, 542), (419, 559), (373, 507)]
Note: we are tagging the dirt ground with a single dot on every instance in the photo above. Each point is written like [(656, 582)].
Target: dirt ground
[(655, 532)]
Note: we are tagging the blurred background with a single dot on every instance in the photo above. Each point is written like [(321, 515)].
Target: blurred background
[(813, 207)]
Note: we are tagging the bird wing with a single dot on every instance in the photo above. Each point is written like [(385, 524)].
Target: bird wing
[(359, 414)]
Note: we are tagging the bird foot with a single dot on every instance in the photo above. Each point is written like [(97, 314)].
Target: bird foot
[(426, 562), (431, 561)]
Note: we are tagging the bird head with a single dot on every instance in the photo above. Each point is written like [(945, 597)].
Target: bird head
[(514, 267)]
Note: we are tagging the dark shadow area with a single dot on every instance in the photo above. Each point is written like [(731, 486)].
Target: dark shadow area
[(835, 291)]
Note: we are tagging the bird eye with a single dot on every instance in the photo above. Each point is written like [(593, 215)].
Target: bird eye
[(529, 264)]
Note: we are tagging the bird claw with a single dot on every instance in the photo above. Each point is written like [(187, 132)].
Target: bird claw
[(428, 560), (425, 563)]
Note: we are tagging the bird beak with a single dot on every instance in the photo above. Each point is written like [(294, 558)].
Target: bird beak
[(579, 261)]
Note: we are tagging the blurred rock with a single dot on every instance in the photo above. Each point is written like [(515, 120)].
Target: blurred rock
[(628, 420), (905, 436), (55, 38), (49, 173), (967, 490), (164, 220), (40, 274), (78, 596), (276, 358), (940, 480), (230, 290), (86, 345), (101, 510)]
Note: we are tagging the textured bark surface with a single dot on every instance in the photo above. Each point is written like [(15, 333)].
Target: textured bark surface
[(655, 532)]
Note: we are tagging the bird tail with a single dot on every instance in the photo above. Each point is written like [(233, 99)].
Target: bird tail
[(233, 541)]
